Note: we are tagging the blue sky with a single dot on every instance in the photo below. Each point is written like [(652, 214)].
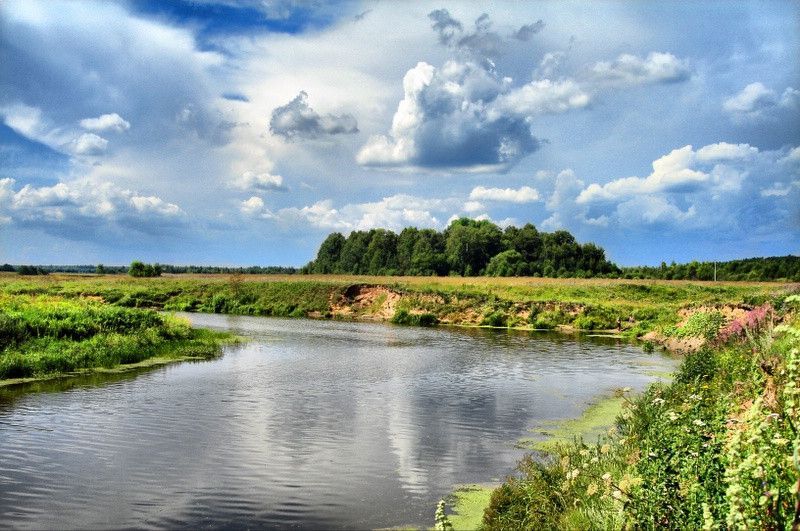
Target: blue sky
[(243, 132)]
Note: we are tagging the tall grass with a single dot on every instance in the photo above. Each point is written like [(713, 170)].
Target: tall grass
[(43, 335)]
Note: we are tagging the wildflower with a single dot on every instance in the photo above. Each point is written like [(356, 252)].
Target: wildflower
[(672, 416), (591, 490), (595, 459), (605, 448), (606, 477), (658, 401), (698, 422)]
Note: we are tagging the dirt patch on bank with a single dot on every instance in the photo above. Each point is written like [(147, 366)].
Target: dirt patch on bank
[(365, 302)]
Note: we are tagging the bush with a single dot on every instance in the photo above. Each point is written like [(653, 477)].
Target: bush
[(496, 319)]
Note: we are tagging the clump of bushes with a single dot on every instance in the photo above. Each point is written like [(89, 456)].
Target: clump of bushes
[(140, 269), (403, 317), (497, 319)]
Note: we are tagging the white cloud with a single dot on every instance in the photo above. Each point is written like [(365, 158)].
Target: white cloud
[(154, 205), (757, 102), (671, 173), (792, 156), (725, 151), (252, 206), (78, 209), (737, 189), (524, 194), (251, 181), (106, 122), (627, 69), (89, 144), (473, 206)]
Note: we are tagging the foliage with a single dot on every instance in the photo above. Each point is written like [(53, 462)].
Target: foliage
[(785, 268), (403, 317), (467, 247), (702, 324), (29, 270), (44, 335), (139, 269), (717, 448)]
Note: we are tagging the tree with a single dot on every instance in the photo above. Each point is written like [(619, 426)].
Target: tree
[(140, 269), (470, 244), (100, 269), (381, 256), (329, 254), (505, 264)]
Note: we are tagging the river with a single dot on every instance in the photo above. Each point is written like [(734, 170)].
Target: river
[(310, 424)]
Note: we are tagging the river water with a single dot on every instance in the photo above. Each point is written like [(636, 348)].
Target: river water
[(311, 424)]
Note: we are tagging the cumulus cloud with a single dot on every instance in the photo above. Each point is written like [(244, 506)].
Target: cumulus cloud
[(89, 144), (757, 102), (671, 173), (77, 209), (627, 69), (251, 181), (297, 120), (734, 187), (524, 194), (725, 151), (393, 212), (463, 116), (106, 122)]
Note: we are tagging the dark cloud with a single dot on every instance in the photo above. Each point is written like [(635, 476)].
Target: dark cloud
[(235, 96), (527, 31), (445, 26), (361, 15), (297, 120), (463, 116)]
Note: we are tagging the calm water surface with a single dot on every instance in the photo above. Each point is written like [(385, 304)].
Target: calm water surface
[(312, 424)]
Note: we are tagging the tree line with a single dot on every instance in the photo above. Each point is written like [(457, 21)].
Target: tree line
[(467, 247), (752, 269)]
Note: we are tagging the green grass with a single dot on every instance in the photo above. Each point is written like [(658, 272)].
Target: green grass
[(42, 336)]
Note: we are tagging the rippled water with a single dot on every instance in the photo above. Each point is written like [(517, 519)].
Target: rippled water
[(313, 424)]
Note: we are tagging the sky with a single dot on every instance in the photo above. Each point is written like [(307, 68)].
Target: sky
[(226, 132)]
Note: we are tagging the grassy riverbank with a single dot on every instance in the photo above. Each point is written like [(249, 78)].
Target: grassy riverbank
[(42, 336), (629, 308), (719, 447)]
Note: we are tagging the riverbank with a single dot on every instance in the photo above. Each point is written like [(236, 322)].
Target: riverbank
[(43, 337), (718, 447), (631, 309)]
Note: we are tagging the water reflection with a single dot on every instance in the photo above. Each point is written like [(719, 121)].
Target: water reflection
[(311, 424)]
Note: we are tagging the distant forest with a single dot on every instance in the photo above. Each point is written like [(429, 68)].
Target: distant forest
[(467, 247), (470, 248)]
